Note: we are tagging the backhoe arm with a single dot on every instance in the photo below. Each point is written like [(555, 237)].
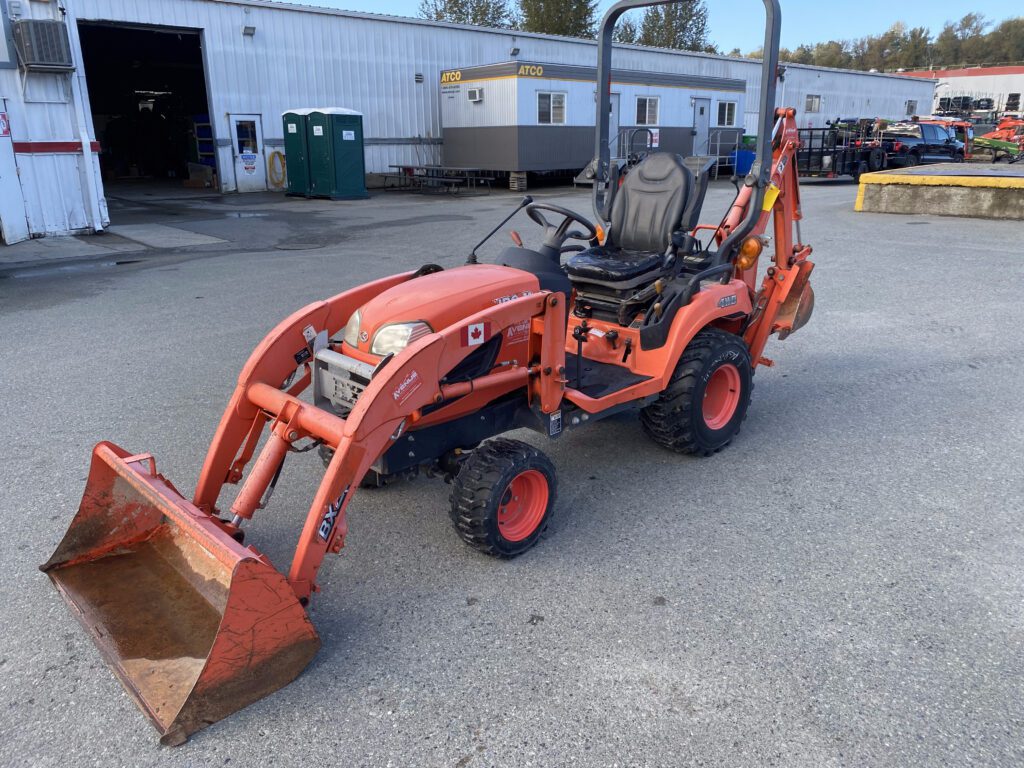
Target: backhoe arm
[(785, 300)]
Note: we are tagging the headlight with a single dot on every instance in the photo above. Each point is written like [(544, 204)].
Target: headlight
[(394, 338), (351, 336)]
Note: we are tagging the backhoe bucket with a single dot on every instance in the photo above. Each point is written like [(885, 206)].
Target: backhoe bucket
[(195, 624)]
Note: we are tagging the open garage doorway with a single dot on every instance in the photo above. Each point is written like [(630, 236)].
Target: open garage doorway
[(147, 94)]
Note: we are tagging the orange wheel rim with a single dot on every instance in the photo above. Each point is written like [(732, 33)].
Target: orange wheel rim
[(721, 396), (522, 505)]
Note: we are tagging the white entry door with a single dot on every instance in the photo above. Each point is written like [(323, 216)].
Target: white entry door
[(247, 148), (13, 222), (702, 126)]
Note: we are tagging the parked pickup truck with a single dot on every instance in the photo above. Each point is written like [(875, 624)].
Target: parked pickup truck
[(909, 144)]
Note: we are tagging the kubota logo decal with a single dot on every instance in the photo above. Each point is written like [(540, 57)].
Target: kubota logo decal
[(511, 297), (333, 510), (409, 384)]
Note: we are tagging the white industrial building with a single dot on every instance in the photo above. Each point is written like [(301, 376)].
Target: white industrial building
[(1003, 86), (145, 88)]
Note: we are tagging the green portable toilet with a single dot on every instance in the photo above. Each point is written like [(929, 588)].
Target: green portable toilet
[(334, 137), (296, 151)]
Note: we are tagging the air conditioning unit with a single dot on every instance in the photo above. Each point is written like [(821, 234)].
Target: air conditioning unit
[(475, 94), (42, 45)]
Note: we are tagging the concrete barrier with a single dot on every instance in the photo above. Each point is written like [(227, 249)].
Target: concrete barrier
[(988, 191)]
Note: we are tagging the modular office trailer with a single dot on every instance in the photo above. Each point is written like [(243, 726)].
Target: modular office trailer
[(529, 116)]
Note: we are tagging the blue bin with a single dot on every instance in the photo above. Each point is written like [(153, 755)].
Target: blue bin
[(742, 161)]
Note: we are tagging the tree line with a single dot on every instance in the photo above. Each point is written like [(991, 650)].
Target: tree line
[(971, 41), (683, 25)]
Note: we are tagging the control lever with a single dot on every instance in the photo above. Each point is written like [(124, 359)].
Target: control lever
[(580, 334), (471, 259)]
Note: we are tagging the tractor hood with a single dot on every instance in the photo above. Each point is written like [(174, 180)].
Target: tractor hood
[(442, 298)]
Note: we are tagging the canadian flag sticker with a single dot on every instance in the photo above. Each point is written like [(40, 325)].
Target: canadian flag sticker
[(475, 334)]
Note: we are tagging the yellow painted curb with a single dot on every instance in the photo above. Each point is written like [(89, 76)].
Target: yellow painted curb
[(992, 182), (859, 205)]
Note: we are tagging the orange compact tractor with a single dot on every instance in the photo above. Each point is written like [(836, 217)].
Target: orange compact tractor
[(648, 311)]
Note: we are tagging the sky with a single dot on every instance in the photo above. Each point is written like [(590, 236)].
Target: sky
[(803, 21)]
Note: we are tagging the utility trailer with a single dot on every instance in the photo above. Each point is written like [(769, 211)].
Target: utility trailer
[(836, 151)]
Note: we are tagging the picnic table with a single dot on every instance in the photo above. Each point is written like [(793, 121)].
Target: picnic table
[(439, 178)]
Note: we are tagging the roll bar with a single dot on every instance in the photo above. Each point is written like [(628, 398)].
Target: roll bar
[(759, 172)]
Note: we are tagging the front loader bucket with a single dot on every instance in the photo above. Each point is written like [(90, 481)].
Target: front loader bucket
[(195, 624)]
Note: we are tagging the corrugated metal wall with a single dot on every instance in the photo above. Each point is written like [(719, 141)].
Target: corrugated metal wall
[(55, 183), (852, 95), (979, 85), (498, 106)]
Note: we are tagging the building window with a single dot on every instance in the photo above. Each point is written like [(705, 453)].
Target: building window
[(813, 103), (911, 107), (647, 110), (551, 108), (726, 113)]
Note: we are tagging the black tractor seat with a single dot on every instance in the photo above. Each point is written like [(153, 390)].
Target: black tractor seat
[(613, 265), (658, 199)]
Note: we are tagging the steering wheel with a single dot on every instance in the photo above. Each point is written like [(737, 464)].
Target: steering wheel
[(555, 237)]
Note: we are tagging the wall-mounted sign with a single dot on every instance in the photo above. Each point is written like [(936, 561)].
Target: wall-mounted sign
[(249, 162), (318, 130), (5, 125), (348, 135)]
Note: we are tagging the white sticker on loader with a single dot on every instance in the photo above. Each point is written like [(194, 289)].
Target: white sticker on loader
[(406, 387), (555, 424), (327, 525)]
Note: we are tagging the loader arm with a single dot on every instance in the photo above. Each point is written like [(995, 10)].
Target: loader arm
[(198, 625), (393, 402)]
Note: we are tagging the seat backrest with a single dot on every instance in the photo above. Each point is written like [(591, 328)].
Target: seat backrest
[(701, 170), (649, 205)]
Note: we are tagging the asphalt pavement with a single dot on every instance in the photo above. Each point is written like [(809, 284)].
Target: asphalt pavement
[(842, 586)]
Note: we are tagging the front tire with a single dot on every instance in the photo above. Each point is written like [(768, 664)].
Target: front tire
[(706, 400), (502, 498)]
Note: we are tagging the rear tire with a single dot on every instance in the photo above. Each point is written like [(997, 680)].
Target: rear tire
[(706, 400), (911, 161), (876, 159), (502, 498)]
